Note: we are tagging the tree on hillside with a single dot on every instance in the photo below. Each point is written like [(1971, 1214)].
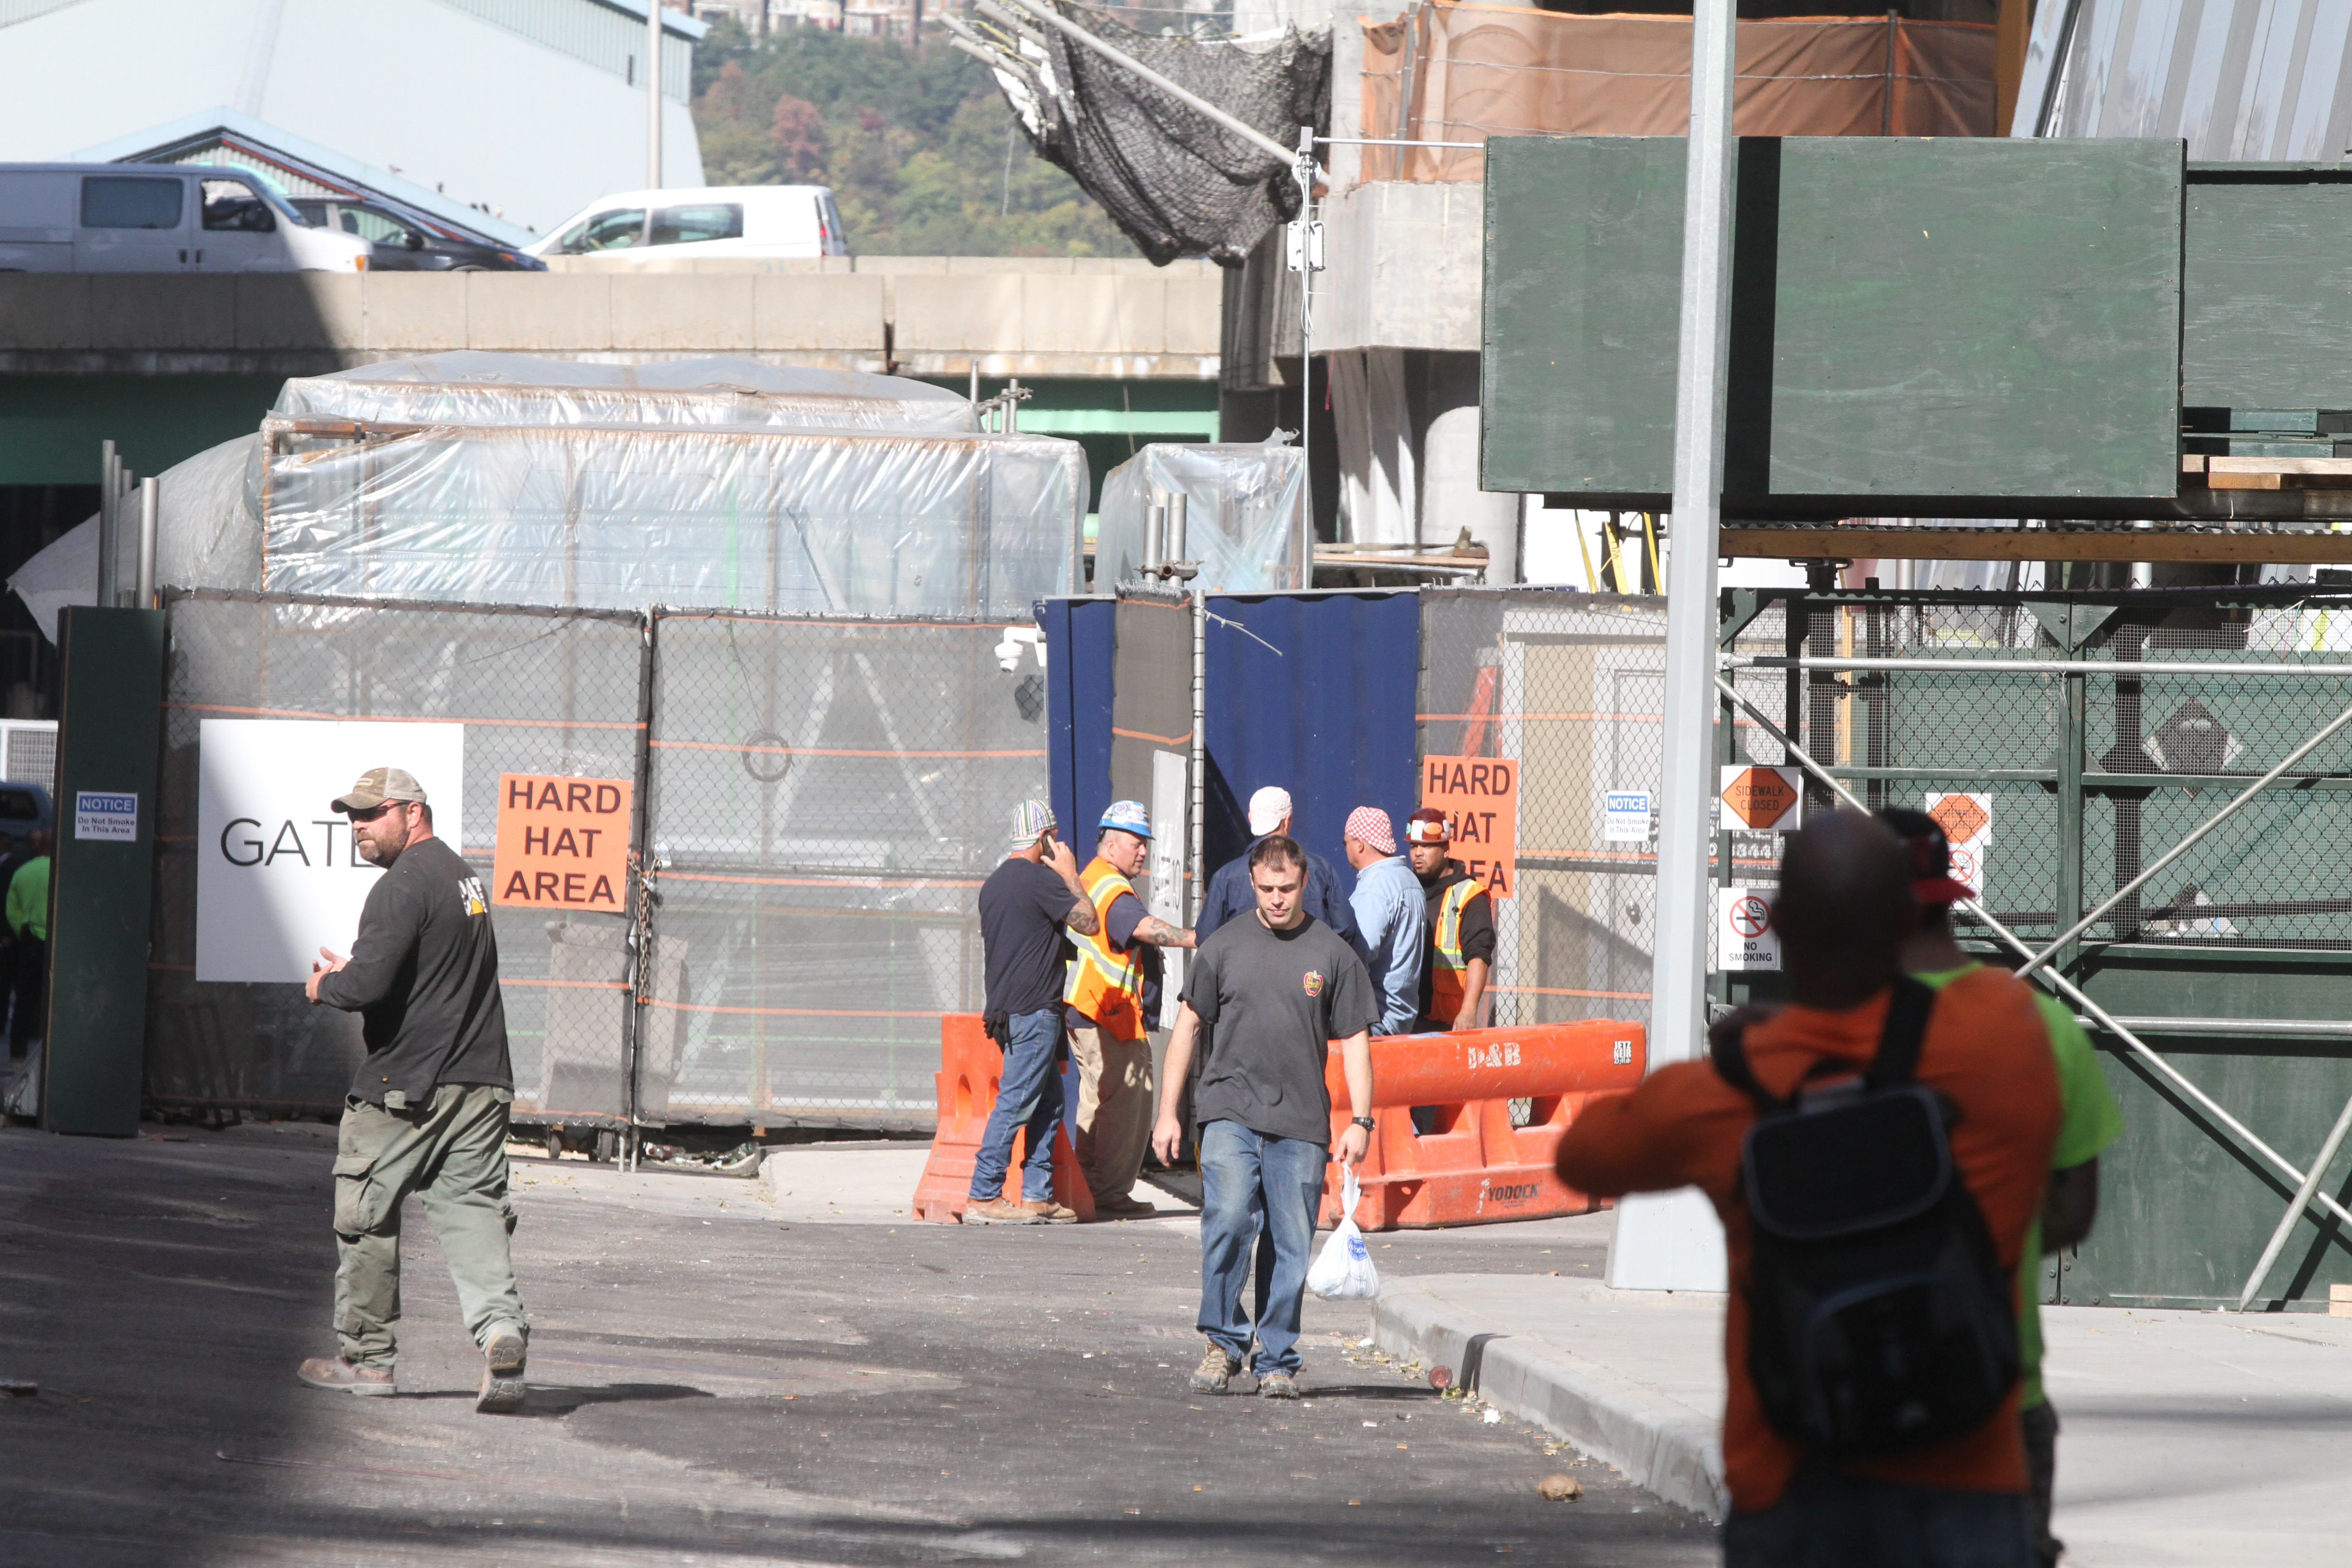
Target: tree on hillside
[(922, 155)]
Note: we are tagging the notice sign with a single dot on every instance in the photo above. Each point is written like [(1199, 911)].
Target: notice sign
[(563, 844), (1744, 935), (1967, 821), (1764, 800), (276, 878), (1480, 796), (98, 815), (1625, 816)]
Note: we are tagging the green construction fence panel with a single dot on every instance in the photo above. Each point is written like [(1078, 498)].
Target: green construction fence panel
[(109, 734), (2267, 286), (1939, 327)]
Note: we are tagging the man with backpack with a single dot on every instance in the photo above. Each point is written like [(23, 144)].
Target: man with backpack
[(1877, 1151)]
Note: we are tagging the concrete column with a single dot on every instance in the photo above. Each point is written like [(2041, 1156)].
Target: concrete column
[(1451, 499)]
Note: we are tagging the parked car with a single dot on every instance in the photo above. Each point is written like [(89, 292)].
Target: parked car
[(404, 245), (716, 220), (159, 217)]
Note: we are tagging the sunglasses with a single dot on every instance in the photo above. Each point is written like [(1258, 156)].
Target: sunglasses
[(371, 815)]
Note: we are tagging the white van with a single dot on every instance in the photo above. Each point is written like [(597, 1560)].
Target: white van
[(715, 220), (159, 217)]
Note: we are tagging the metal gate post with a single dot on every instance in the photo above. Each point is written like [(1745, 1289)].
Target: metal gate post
[(2070, 809), (641, 907)]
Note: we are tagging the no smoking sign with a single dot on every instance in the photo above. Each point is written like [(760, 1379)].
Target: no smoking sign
[(1744, 935)]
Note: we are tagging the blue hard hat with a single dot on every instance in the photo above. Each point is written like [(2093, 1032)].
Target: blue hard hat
[(1127, 816)]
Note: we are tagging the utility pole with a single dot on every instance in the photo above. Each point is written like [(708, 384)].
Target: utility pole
[(653, 95), (1672, 1241)]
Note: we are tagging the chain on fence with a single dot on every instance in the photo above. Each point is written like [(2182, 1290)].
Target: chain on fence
[(826, 798), (526, 691)]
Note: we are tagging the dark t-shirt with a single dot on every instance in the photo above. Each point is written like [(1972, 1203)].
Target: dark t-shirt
[(1021, 910), (1277, 1000), (423, 977)]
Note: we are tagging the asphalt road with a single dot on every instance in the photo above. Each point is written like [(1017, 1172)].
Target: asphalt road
[(713, 1384)]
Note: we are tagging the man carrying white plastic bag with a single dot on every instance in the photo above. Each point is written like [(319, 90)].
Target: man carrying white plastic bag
[(1278, 989)]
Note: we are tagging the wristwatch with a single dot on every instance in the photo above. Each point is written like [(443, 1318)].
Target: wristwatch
[(1365, 1122)]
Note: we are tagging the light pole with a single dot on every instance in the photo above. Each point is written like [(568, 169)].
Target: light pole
[(653, 94), (1671, 1241)]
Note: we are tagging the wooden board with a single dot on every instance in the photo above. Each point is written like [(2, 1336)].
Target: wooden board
[(1955, 327)]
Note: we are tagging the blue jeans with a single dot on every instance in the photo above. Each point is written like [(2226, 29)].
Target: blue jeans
[(1831, 1518), (1028, 1097), (1247, 1181)]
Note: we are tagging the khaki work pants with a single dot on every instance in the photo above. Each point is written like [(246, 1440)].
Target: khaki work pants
[(1115, 1111), (450, 1151)]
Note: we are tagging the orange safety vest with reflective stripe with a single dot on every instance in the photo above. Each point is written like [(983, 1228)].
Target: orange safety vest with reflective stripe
[(1106, 982), (1449, 972)]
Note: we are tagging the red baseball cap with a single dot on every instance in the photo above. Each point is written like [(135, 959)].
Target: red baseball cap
[(1931, 856)]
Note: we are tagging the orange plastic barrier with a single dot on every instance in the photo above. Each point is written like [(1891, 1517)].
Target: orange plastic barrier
[(970, 1069), (1474, 1166)]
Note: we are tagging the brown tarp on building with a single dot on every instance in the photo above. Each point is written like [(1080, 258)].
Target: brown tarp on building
[(1450, 72)]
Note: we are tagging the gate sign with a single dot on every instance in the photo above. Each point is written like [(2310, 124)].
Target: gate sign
[(276, 878), (1480, 796), (1967, 821), (1744, 935), (563, 842), (1763, 799)]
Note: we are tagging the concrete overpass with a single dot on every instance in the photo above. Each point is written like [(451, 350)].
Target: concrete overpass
[(1119, 351)]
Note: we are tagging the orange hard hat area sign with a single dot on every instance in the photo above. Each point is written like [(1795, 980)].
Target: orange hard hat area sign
[(562, 843), (1764, 799), (1480, 798)]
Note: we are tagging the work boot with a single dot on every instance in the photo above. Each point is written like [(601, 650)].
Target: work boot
[(998, 1211), (1123, 1208), (1276, 1385), (1048, 1211), (502, 1362), (1216, 1369), (335, 1373)]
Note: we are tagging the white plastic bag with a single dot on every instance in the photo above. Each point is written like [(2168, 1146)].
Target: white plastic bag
[(1344, 1272)]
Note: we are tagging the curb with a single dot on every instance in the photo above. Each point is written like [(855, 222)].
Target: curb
[(1656, 1442)]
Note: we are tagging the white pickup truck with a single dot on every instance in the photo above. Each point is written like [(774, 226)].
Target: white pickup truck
[(159, 217)]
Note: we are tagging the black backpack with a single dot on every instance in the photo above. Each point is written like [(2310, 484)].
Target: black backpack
[(1880, 1318)]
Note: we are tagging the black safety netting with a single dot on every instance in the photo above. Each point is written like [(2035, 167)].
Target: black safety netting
[(1175, 182)]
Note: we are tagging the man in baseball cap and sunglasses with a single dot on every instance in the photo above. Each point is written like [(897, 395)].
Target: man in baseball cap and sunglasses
[(427, 1110)]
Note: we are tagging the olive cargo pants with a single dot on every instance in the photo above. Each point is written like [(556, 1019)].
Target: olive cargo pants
[(1113, 1127), (450, 1151)]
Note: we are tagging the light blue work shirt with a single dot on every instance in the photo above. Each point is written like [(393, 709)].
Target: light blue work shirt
[(1391, 913)]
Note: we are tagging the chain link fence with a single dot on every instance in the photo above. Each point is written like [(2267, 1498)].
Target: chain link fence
[(537, 691), (826, 798)]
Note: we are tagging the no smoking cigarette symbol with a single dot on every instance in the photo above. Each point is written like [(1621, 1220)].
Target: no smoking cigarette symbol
[(1751, 916)]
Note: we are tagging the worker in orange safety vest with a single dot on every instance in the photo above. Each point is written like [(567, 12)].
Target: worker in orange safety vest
[(1461, 927), (1112, 1001)]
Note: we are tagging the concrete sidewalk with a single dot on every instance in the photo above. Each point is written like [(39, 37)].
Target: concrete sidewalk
[(2190, 1438)]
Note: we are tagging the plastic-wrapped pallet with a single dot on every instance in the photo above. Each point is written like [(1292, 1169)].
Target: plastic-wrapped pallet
[(1245, 515), (470, 387), (796, 519)]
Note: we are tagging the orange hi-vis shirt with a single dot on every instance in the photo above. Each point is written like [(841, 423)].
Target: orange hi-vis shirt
[(1985, 1048)]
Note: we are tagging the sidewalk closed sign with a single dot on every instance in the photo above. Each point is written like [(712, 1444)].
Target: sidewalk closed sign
[(563, 844), (1744, 935), (1763, 799), (1480, 796)]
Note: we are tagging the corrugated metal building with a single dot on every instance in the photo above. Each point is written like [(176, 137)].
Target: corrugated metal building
[(502, 116), (2242, 80)]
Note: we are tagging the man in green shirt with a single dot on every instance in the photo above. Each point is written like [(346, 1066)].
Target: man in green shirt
[(28, 909), (2089, 1122)]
